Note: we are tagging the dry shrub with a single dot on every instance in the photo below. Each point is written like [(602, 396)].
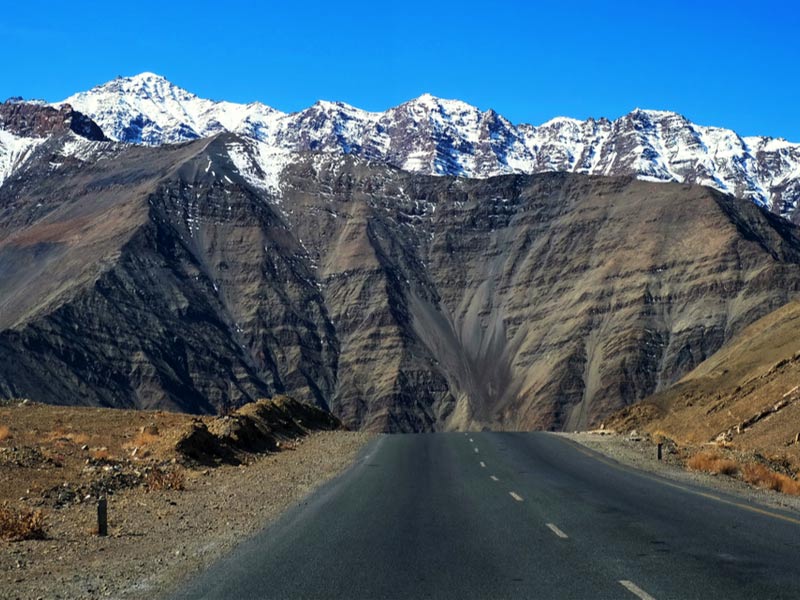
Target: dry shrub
[(712, 463), (164, 480), (63, 435), (100, 453), (761, 476), (141, 440), (56, 434), (144, 439), (18, 525), (659, 436), (5, 433), (79, 439)]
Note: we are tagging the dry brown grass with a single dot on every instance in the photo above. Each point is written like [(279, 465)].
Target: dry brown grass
[(145, 439), (64, 435), (658, 436), (141, 440), (79, 438), (138, 446), (18, 525), (100, 453), (711, 462), (761, 476), (5, 433), (165, 480)]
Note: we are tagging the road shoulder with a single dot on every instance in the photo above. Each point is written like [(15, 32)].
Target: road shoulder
[(156, 540), (641, 454)]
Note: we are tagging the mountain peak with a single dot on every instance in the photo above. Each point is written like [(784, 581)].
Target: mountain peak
[(433, 135), (145, 77), (561, 122), (341, 107), (427, 98), (431, 104), (149, 75), (653, 114), (145, 85)]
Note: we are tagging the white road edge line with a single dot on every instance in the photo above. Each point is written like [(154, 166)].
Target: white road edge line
[(483, 464), (515, 496), (557, 531), (494, 478), (635, 589)]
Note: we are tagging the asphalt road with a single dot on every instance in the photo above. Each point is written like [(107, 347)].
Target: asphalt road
[(510, 515)]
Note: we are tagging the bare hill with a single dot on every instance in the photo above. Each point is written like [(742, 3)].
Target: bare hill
[(746, 395)]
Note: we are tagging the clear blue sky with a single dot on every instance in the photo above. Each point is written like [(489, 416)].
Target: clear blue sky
[(731, 63)]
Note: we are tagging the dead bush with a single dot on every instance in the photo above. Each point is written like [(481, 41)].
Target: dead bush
[(5, 433), (763, 477), (62, 435), (712, 463), (100, 453), (18, 525), (164, 480), (140, 442), (144, 439), (79, 439)]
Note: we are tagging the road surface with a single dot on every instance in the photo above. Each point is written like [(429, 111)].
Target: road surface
[(510, 515)]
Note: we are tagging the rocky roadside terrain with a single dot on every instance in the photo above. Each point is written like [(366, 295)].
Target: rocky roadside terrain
[(157, 536), (640, 451), (156, 539)]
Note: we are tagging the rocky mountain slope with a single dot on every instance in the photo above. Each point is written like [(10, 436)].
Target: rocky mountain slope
[(433, 136), (202, 275), (745, 396), (24, 125)]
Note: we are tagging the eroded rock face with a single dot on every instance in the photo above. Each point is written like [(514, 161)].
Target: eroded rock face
[(150, 281), (36, 121), (168, 278), (527, 301)]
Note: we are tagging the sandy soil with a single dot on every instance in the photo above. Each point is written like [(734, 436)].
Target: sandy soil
[(640, 452), (156, 538)]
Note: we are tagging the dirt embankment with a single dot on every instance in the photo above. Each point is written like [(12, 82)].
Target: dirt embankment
[(181, 490), (736, 416), (743, 398)]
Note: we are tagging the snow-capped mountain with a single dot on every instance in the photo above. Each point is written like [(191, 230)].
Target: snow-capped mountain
[(447, 137), (27, 126), (148, 109)]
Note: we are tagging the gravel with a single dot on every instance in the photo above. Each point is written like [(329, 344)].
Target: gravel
[(640, 452), (158, 539)]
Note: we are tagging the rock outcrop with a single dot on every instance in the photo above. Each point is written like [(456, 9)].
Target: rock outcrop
[(258, 427), (32, 120)]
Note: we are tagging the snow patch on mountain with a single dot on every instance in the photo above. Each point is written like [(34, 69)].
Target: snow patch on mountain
[(259, 163), (13, 152), (78, 147)]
